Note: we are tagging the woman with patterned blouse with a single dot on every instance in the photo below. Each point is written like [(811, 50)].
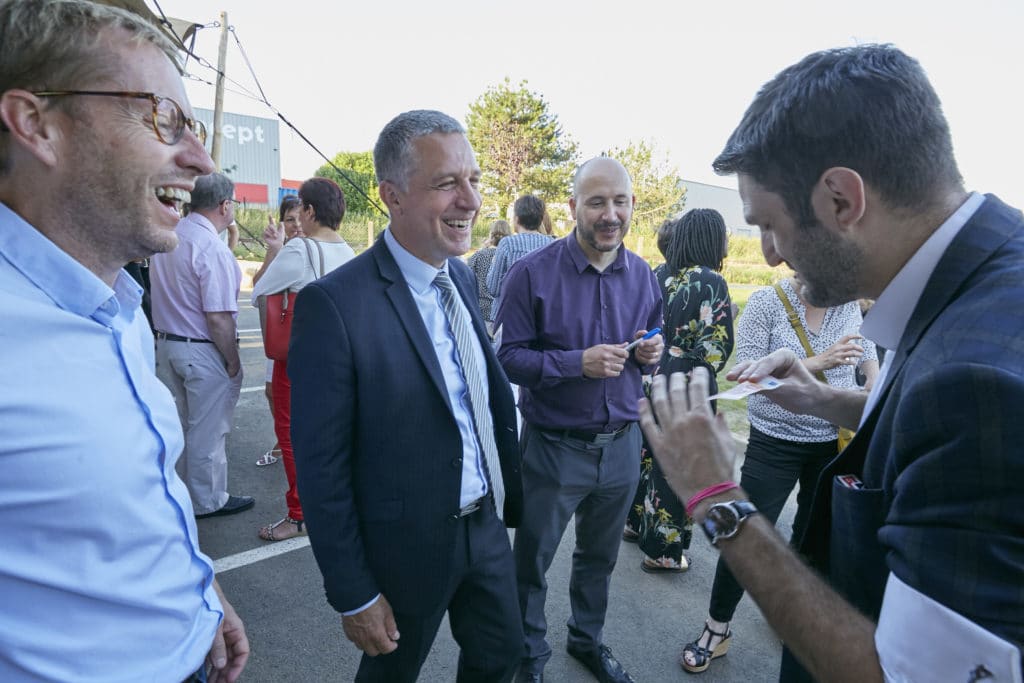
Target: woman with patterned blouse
[(784, 448), (698, 332)]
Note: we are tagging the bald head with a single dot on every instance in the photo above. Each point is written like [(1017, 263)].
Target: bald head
[(604, 166), (602, 206)]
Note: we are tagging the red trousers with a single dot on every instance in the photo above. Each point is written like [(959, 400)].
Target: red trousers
[(281, 390)]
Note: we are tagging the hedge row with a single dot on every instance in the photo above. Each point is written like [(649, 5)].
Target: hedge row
[(744, 265)]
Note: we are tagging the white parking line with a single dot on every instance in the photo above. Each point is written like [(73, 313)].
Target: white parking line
[(246, 390), (226, 564)]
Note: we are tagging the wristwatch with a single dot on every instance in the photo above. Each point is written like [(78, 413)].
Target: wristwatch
[(723, 519)]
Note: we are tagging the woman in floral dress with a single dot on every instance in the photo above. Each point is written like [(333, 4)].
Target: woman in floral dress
[(698, 331)]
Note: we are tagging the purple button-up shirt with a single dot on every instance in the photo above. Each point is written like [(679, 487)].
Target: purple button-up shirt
[(554, 306)]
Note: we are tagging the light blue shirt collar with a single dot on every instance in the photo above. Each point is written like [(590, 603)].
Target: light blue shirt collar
[(418, 274), (70, 285)]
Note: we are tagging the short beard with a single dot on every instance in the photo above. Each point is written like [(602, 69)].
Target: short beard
[(829, 267), (591, 237)]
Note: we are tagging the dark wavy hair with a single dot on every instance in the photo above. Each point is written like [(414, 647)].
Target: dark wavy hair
[(869, 108)]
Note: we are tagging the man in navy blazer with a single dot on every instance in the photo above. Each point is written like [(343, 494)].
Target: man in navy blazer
[(846, 163), (392, 462)]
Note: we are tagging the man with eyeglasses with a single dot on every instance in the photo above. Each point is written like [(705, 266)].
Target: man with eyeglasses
[(195, 309), (101, 574)]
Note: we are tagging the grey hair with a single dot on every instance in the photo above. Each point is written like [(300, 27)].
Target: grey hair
[(60, 44), (393, 154), (210, 191)]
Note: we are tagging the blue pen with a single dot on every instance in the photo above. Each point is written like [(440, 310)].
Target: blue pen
[(650, 334)]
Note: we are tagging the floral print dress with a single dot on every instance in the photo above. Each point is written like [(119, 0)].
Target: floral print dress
[(698, 331)]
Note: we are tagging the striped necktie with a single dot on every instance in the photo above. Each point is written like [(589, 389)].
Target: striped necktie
[(462, 330)]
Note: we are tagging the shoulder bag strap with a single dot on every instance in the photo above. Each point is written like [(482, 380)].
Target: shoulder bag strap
[(309, 254), (320, 250), (798, 327)]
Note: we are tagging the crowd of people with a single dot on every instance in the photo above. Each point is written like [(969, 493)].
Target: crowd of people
[(905, 557)]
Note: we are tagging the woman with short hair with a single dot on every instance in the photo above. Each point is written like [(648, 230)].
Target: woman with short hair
[(317, 252)]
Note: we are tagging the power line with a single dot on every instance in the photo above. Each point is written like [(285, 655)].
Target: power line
[(262, 98)]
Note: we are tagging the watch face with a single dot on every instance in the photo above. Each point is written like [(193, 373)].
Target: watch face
[(724, 518)]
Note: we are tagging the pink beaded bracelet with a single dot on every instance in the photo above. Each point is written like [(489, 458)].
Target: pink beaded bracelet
[(707, 493)]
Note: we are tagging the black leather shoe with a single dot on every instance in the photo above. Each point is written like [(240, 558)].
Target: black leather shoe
[(602, 664), (234, 505), (527, 677)]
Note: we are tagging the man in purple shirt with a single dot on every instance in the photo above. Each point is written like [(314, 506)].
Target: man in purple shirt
[(195, 306), (566, 316)]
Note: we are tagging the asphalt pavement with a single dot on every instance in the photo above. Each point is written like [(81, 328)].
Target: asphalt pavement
[(297, 637)]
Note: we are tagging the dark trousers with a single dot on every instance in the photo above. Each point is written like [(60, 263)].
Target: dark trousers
[(770, 470), (563, 476), (482, 610)]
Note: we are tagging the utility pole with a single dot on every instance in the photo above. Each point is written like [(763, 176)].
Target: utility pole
[(218, 102)]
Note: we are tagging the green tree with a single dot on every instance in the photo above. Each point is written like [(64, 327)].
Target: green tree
[(660, 192), (520, 146), (358, 167)]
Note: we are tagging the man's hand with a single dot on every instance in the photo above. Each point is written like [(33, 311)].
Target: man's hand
[(604, 360), (223, 331), (373, 630), (801, 392), (648, 351), (798, 392), (693, 445), (843, 352), (230, 650)]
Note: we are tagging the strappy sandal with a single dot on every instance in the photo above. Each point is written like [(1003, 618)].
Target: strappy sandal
[(702, 656), (629, 535), (267, 532), (652, 566), (267, 458)]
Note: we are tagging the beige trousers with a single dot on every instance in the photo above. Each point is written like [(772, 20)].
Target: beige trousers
[(206, 398)]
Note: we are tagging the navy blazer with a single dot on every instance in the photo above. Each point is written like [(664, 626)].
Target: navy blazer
[(941, 454), (378, 453)]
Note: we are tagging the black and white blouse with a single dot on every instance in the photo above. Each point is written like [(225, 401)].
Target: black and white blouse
[(764, 327)]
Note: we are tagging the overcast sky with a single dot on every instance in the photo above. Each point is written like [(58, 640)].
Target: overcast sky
[(679, 74)]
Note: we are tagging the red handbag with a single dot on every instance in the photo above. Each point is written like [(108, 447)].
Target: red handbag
[(277, 328), (276, 312)]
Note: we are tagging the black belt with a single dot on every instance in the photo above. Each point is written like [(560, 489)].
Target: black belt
[(471, 508), (589, 437), (178, 338)]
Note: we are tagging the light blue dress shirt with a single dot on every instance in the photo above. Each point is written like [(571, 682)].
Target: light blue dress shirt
[(420, 277), (101, 576)]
